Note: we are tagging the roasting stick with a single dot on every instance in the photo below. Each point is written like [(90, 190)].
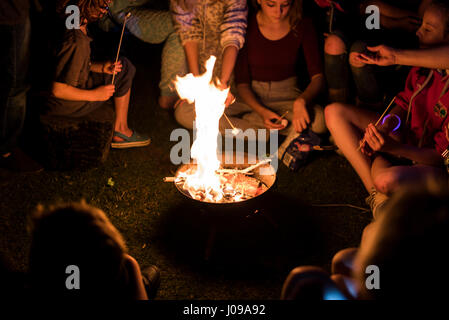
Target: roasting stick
[(381, 117), (243, 171), (246, 170), (230, 123), (282, 117), (120, 44)]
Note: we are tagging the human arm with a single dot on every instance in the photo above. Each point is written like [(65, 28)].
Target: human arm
[(106, 67), (380, 142), (192, 55), (67, 92), (432, 58), (229, 58), (232, 35), (301, 118), (188, 27)]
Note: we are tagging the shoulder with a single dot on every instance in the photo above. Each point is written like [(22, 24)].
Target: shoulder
[(75, 38)]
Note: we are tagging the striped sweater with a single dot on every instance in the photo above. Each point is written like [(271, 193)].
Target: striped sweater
[(215, 24)]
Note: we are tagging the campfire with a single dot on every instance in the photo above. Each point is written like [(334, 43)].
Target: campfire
[(206, 179)]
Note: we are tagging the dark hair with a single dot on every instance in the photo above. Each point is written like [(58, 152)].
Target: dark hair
[(409, 245), (444, 6), (89, 9), (81, 235), (295, 13)]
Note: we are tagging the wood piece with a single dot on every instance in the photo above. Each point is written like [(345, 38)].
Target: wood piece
[(69, 143)]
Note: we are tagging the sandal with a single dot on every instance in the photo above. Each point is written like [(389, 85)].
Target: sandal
[(136, 140)]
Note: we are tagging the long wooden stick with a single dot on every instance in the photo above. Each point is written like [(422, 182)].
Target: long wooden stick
[(229, 121), (282, 117), (119, 45), (378, 120)]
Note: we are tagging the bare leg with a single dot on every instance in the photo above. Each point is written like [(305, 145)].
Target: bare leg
[(347, 124), (388, 178), (121, 115)]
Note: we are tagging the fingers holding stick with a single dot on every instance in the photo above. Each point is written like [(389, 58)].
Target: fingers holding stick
[(377, 122)]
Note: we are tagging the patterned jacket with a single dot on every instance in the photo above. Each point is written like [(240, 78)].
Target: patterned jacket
[(215, 24)]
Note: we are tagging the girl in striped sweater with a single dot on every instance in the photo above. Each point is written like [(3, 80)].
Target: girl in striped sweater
[(209, 27)]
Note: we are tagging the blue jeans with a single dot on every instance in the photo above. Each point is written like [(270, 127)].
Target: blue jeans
[(14, 59)]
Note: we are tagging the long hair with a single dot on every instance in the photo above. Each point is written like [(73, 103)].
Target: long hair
[(443, 6), (89, 9), (295, 13)]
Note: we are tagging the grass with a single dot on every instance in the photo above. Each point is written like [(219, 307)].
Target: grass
[(253, 253)]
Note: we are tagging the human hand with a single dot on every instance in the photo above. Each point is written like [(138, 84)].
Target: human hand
[(301, 117), (377, 141), (271, 119), (381, 56), (109, 67), (103, 93), (230, 99)]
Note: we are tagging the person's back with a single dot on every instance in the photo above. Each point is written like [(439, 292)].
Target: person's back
[(77, 253), (409, 246)]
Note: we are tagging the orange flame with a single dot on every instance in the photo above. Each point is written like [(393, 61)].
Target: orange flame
[(209, 107)]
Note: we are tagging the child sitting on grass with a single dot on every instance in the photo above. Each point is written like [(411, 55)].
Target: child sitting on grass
[(407, 143), (81, 86), (82, 236)]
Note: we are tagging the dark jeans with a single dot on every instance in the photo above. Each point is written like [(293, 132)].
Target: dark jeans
[(371, 82), (14, 60)]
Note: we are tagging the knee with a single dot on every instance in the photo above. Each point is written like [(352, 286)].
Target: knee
[(343, 260), (332, 112), (334, 45), (128, 67), (184, 114), (356, 48), (385, 181)]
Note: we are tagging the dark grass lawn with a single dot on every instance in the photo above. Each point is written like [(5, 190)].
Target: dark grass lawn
[(253, 252)]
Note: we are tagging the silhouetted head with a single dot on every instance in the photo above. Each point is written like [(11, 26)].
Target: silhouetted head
[(77, 235)]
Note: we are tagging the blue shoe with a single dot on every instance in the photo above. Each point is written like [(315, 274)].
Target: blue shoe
[(136, 140)]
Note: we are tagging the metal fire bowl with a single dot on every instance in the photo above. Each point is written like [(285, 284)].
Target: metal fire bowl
[(269, 180)]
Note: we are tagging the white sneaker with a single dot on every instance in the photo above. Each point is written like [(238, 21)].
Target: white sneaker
[(376, 200)]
